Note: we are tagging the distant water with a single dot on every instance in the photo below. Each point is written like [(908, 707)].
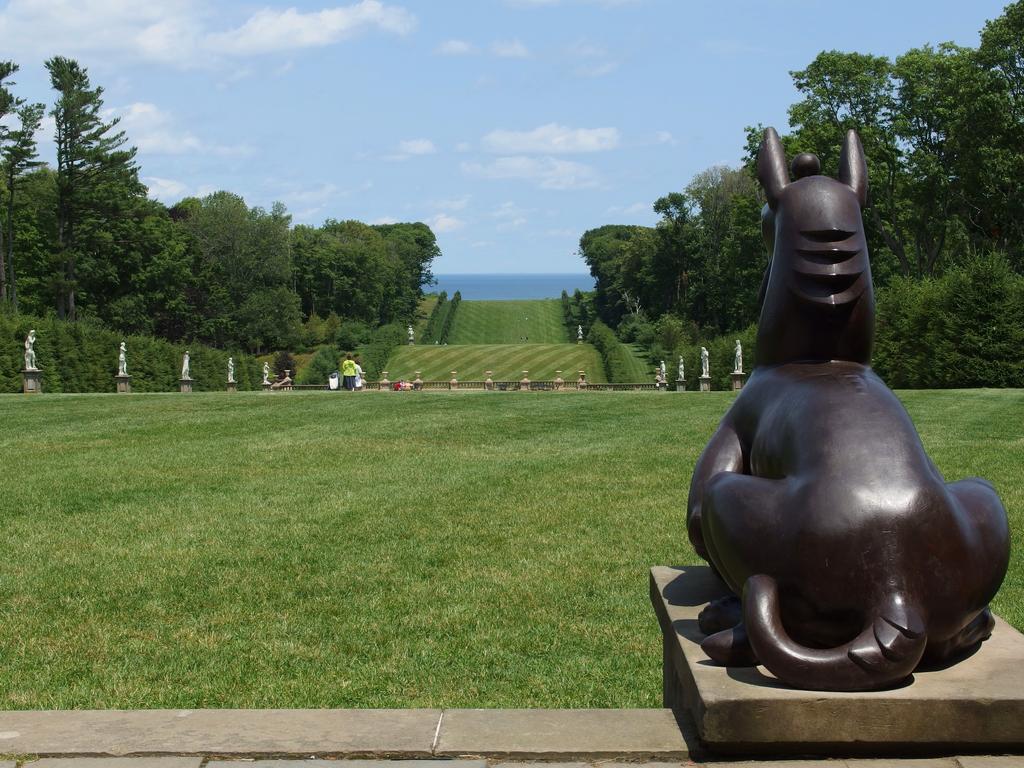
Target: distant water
[(521, 286)]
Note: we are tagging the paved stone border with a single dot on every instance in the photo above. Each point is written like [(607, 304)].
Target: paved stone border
[(413, 738), (630, 734), (198, 762)]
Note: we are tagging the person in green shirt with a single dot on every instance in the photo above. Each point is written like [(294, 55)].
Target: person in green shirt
[(348, 372)]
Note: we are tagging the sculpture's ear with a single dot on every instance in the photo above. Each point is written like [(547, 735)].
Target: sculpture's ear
[(771, 166), (853, 168)]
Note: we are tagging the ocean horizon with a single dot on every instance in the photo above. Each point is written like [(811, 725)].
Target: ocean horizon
[(490, 287)]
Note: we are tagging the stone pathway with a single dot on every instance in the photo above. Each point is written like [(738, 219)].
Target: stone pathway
[(199, 762), (402, 738)]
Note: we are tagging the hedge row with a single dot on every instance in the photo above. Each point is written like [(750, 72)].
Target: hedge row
[(614, 355), (383, 343), (449, 318), (964, 329), (432, 331), (82, 357), (721, 359)]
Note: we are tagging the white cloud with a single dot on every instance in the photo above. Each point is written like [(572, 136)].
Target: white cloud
[(269, 30), (153, 131), (592, 60), (452, 204), (456, 48), (597, 69), (384, 220), (165, 190), (665, 137), (631, 210), (545, 172), (510, 49), (177, 32), (442, 222), (417, 147), (551, 139), (411, 148), (508, 210)]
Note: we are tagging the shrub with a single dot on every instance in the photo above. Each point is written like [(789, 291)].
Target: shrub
[(432, 331), (449, 317), (323, 364), (82, 357), (351, 334), (375, 354), (614, 356), (283, 361)]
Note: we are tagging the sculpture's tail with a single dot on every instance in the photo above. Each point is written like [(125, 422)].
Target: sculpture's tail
[(884, 654)]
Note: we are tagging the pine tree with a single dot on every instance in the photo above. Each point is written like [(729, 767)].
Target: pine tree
[(95, 174), (19, 157)]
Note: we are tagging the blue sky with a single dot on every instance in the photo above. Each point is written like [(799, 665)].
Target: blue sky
[(510, 126)]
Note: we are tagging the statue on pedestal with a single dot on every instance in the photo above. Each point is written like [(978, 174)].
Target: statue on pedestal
[(738, 358), (851, 561), (681, 372), (704, 372), (231, 370), (185, 361), (122, 361), (266, 373), (30, 351), (579, 333), (412, 338)]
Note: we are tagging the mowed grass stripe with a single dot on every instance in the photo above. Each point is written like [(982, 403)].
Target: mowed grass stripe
[(508, 361), (537, 321)]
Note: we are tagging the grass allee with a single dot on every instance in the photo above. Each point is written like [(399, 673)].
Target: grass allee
[(372, 550), (538, 321), (506, 361)]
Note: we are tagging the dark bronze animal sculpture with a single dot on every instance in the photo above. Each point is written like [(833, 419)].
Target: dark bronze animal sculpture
[(851, 560)]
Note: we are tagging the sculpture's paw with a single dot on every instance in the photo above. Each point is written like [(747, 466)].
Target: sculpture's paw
[(730, 648), (723, 613)]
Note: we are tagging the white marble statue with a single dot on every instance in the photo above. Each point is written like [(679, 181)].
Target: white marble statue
[(412, 337), (659, 376), (579, 333), (738, 365), (704, 363), (266, 373), (682, 369), (231, 370), (30, 351), (122, 361), (185, 366), (664, 372)]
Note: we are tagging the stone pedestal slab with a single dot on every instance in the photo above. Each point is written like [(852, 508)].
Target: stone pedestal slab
[(680, 385), (124, 384), (232, 386), (737, 380), (705, 383), (185, 385), (976, 705), (32, 381)]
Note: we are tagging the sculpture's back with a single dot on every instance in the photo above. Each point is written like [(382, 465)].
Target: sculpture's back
[(815, 499)]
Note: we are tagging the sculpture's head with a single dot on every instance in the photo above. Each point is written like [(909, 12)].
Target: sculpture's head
[(818, 291)]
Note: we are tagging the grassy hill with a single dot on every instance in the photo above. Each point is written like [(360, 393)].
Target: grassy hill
[(508, 361), (376, 550), (509, 322)]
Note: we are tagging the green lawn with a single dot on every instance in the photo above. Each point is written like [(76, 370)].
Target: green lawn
[(538, 321), (372, 550), (508, 361)]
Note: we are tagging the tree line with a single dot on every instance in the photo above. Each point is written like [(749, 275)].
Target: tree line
[(943, 131), (82, 241)]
